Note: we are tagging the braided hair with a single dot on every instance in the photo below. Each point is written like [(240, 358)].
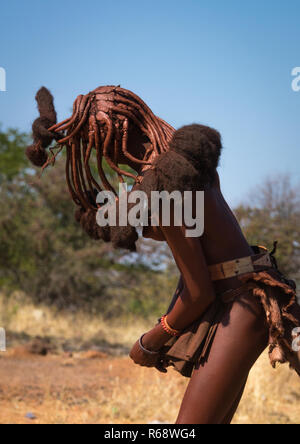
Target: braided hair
[(108, 121), (102, 121)]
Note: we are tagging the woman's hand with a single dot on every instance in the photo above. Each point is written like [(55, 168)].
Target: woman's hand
[(142, 358), (151, 341)]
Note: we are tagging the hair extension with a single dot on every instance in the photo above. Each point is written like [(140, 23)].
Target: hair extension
[(41, 135), (102, 123)]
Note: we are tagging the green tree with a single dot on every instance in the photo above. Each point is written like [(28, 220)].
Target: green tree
[(273, 213), (12, 158), (44, 251)]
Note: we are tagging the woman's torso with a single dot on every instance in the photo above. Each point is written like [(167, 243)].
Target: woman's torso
[(222, 239)]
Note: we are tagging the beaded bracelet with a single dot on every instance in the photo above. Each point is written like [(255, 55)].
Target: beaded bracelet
[(171, 331)]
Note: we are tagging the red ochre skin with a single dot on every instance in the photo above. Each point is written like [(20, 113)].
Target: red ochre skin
[(215, 389)]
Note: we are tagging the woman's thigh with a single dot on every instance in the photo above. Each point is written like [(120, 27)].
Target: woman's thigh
[(216, 386)]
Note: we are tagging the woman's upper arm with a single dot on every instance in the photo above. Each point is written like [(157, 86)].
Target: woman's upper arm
[(190, 259)]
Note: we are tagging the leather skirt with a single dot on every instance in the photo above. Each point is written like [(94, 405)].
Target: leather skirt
[(278, 298)]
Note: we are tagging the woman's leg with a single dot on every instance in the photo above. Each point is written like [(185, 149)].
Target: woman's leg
[(228, 418), (215, 389)]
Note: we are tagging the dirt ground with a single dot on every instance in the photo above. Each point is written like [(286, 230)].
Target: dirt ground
[(85, 388), (73, 368), (91, 387)]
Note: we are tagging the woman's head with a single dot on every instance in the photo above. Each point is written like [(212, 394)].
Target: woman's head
[(110, 120), (110, 127)]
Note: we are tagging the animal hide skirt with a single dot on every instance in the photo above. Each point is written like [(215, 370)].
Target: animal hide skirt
[(278, 299)]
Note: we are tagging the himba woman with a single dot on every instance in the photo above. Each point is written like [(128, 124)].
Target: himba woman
[(231, 301)]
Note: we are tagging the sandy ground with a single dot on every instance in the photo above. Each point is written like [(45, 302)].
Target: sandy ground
[(87, 388), (86, 377), (91, 387)]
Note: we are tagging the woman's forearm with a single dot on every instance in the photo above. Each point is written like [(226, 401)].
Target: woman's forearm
[(197, 291), (188, 309), (183, 311)]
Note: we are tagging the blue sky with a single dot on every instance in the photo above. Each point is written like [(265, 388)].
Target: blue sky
[(223, 63)]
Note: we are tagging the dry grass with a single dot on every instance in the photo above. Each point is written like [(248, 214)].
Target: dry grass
[(271, 396), (20, 316), (62, 389)]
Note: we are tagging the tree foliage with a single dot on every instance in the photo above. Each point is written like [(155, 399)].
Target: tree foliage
[(273, 214), (44, 252), (12, 146)]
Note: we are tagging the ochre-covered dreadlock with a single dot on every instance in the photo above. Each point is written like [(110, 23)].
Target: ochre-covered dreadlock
[(119, 127), (41, 135), (101, 121)]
